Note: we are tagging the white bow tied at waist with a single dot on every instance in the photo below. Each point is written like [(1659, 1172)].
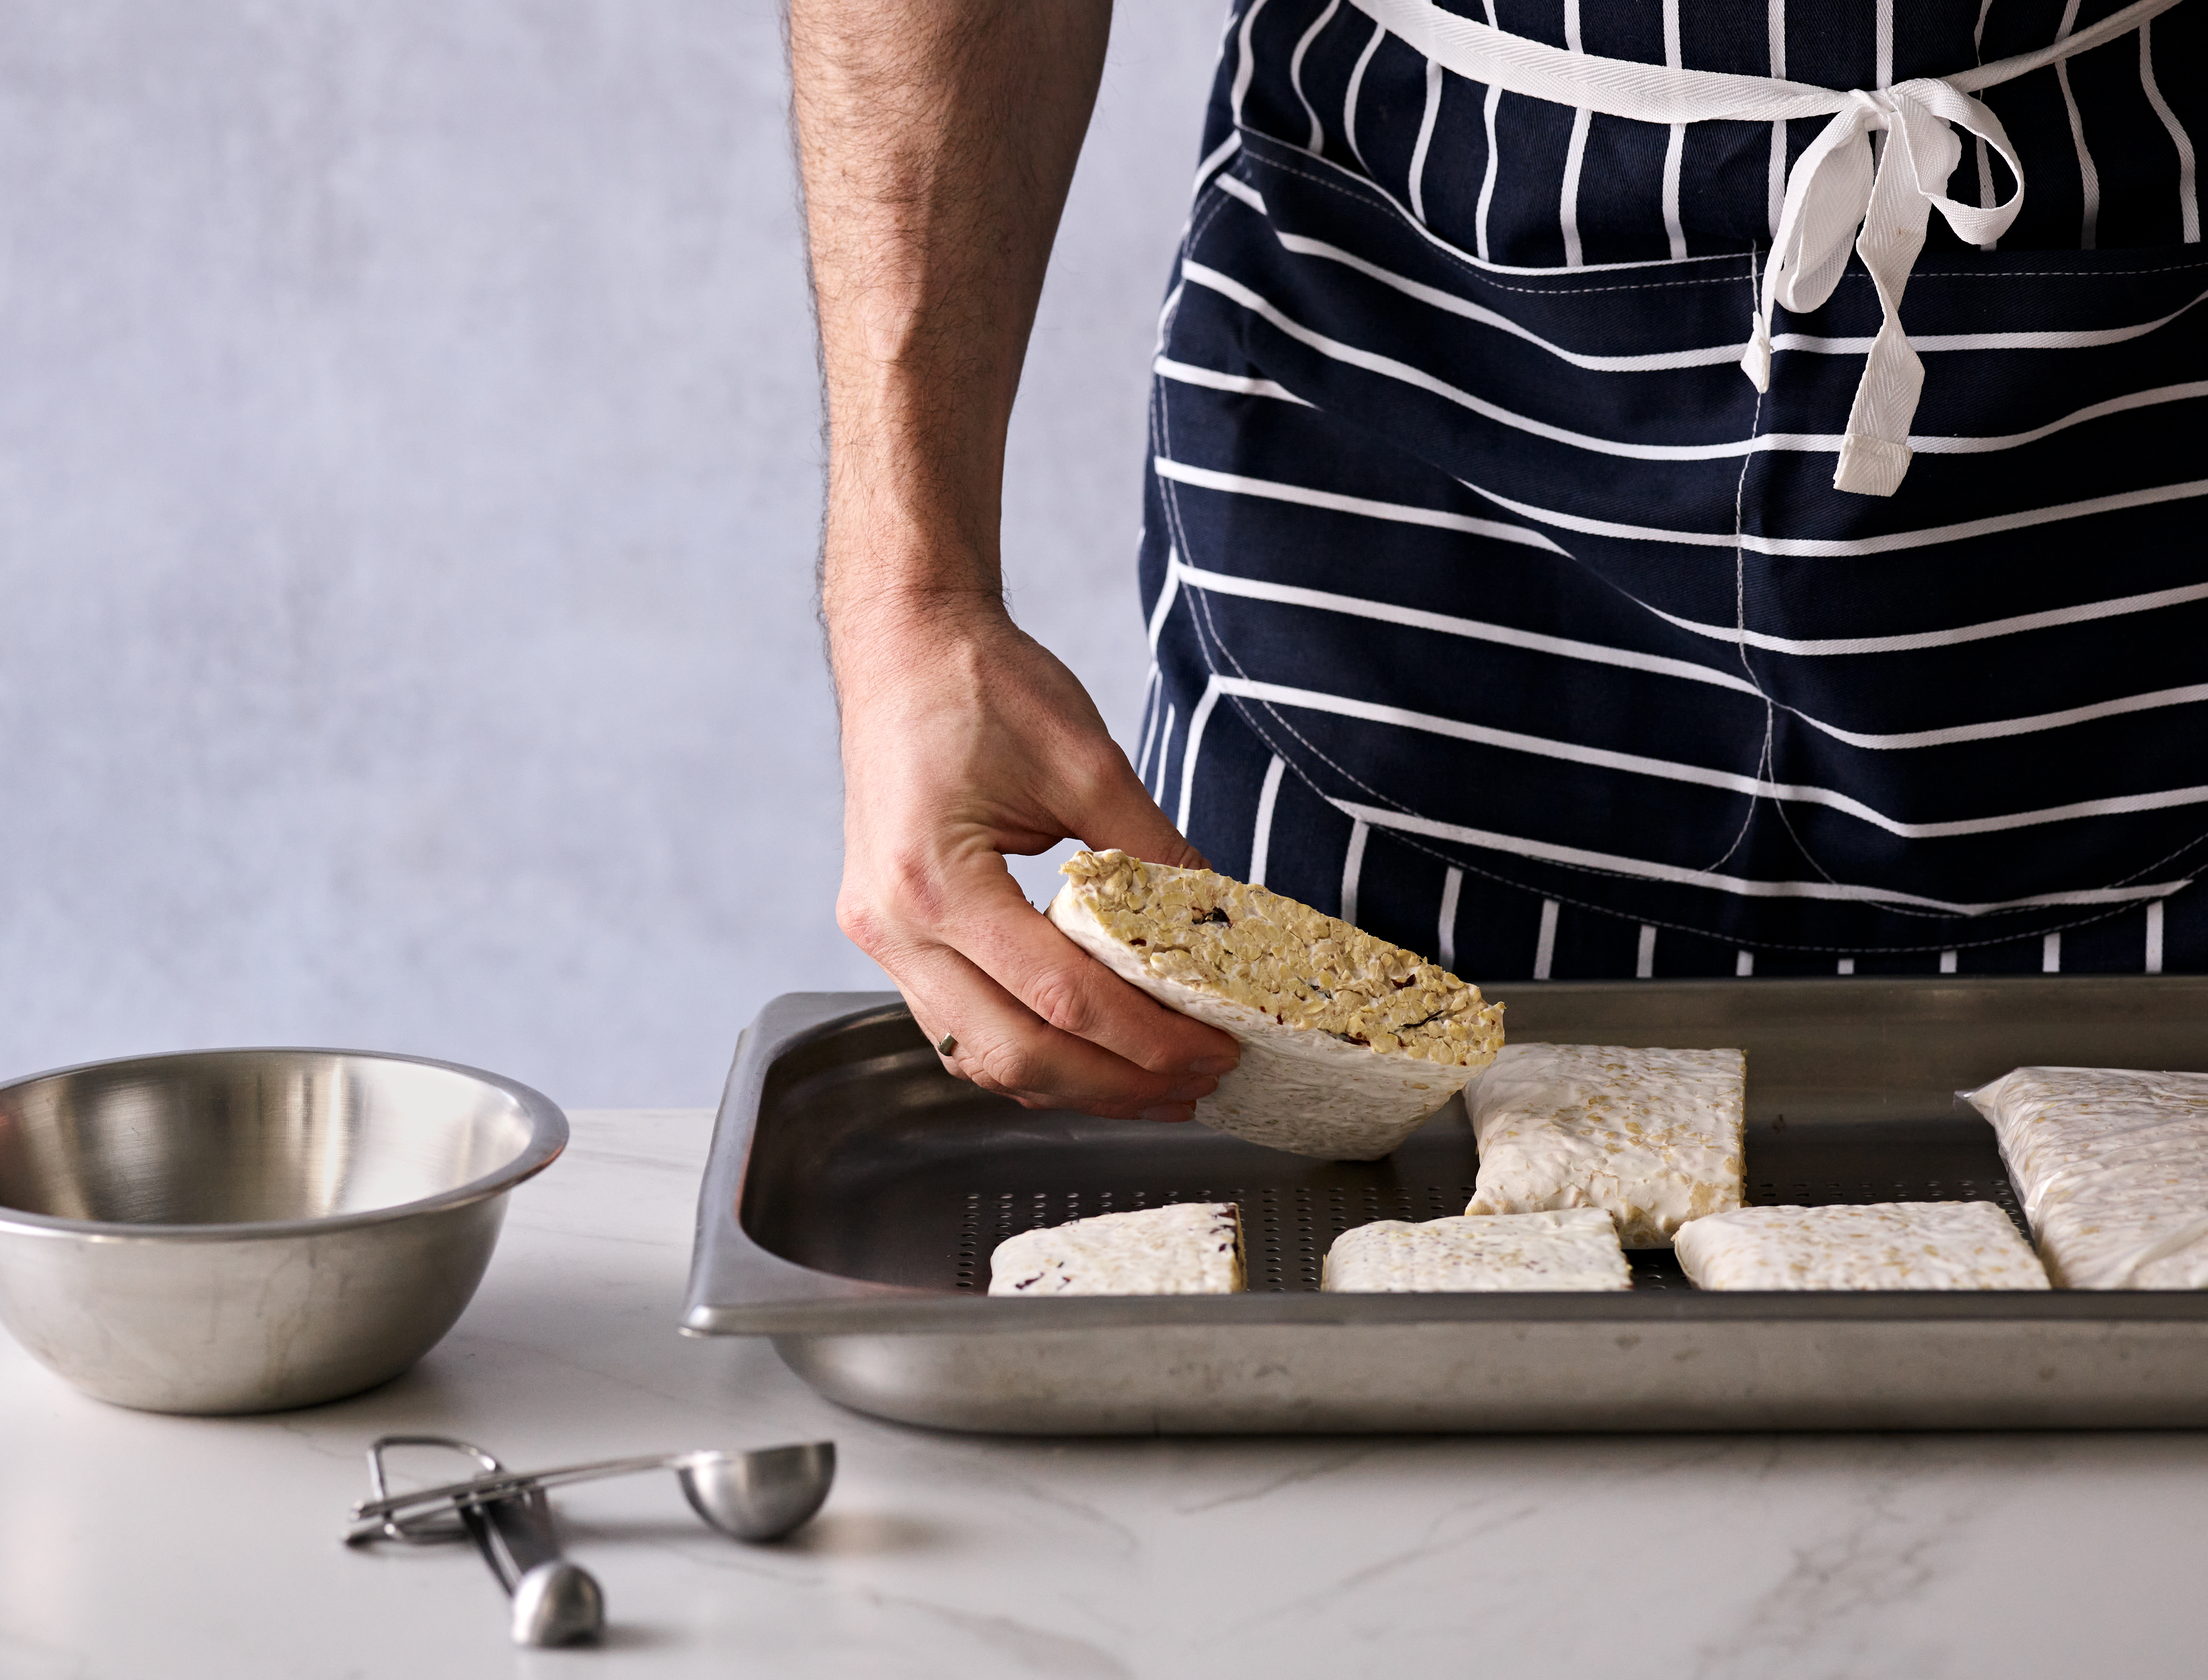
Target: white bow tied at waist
[(1834, 190)]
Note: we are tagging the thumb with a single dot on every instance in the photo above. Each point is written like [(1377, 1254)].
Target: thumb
[(1122, 815)]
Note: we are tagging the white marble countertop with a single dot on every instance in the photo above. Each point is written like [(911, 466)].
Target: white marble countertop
[(134, 1546)]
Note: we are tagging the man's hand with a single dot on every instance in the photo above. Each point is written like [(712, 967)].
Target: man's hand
[(936, 138), (964, 739)]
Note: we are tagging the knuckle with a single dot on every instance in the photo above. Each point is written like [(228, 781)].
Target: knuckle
[(975, 1068), (1096, 775), (1063, 998), (916, 886), (1010, 1068), (863, 923)]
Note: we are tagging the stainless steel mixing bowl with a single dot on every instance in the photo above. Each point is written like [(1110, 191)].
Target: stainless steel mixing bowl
[(246, 1230)]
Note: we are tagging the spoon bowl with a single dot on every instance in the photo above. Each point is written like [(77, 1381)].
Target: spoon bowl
[(762, 1494), (557, 1604)]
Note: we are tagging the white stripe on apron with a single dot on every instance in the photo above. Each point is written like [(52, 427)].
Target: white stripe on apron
[(1834, 190)]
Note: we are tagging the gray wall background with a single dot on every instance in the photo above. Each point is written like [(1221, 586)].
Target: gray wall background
[(408, 495)]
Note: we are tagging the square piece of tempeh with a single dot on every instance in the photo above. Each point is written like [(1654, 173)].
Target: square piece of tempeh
[(1191, 1248), (2112, 1164), (1652, 1137), (1574, 1249), (1882, 1245)]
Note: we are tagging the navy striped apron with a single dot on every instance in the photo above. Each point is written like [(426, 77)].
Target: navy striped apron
[(1494, 608)]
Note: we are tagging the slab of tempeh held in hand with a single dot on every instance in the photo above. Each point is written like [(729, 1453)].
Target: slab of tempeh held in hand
[(1576, 1249), (1652, 1137), (2112, 1164), (1882, 1245), (1348, 1043), (1191, 1248)]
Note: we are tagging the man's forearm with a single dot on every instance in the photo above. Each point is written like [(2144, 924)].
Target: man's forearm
[(936, 138)]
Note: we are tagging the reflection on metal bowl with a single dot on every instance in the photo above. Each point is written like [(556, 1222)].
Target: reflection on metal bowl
[(247, 1230)]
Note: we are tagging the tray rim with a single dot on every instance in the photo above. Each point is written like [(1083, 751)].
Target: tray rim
[(738, 1287)]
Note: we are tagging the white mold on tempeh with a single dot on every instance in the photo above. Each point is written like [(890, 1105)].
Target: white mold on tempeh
[(1652, 1137), (1879, 1245), (2112, 1164), (1575, 1249), (1190, 1248)]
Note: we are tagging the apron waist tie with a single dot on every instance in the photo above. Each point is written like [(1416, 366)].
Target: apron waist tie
[(1837, 190)]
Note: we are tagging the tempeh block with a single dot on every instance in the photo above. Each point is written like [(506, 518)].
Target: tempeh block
[(1652, 1137), (1348, 1043), (1882, 1245), (1575, 1249), (1191, 1248), (2112, 1164)]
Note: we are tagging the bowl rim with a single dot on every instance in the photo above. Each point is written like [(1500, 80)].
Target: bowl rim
[(548, 1138)]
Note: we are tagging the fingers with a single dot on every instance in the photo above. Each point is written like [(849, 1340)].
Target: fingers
[(1069, 990), (1120, 812), (1003, 1047), (1034, 1017)]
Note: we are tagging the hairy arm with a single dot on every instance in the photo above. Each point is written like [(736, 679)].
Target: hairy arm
[(936, 138)]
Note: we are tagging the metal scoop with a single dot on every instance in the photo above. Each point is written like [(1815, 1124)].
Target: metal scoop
[(554, 1602), (759, 1495)]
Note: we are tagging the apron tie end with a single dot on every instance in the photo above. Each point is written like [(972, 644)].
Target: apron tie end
[(1871, 465), (1755, 360)]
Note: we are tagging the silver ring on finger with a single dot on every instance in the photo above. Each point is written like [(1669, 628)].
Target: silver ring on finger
[(945, 1045)]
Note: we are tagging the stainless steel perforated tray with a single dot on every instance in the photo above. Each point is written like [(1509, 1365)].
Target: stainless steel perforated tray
[(854, 1192)]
